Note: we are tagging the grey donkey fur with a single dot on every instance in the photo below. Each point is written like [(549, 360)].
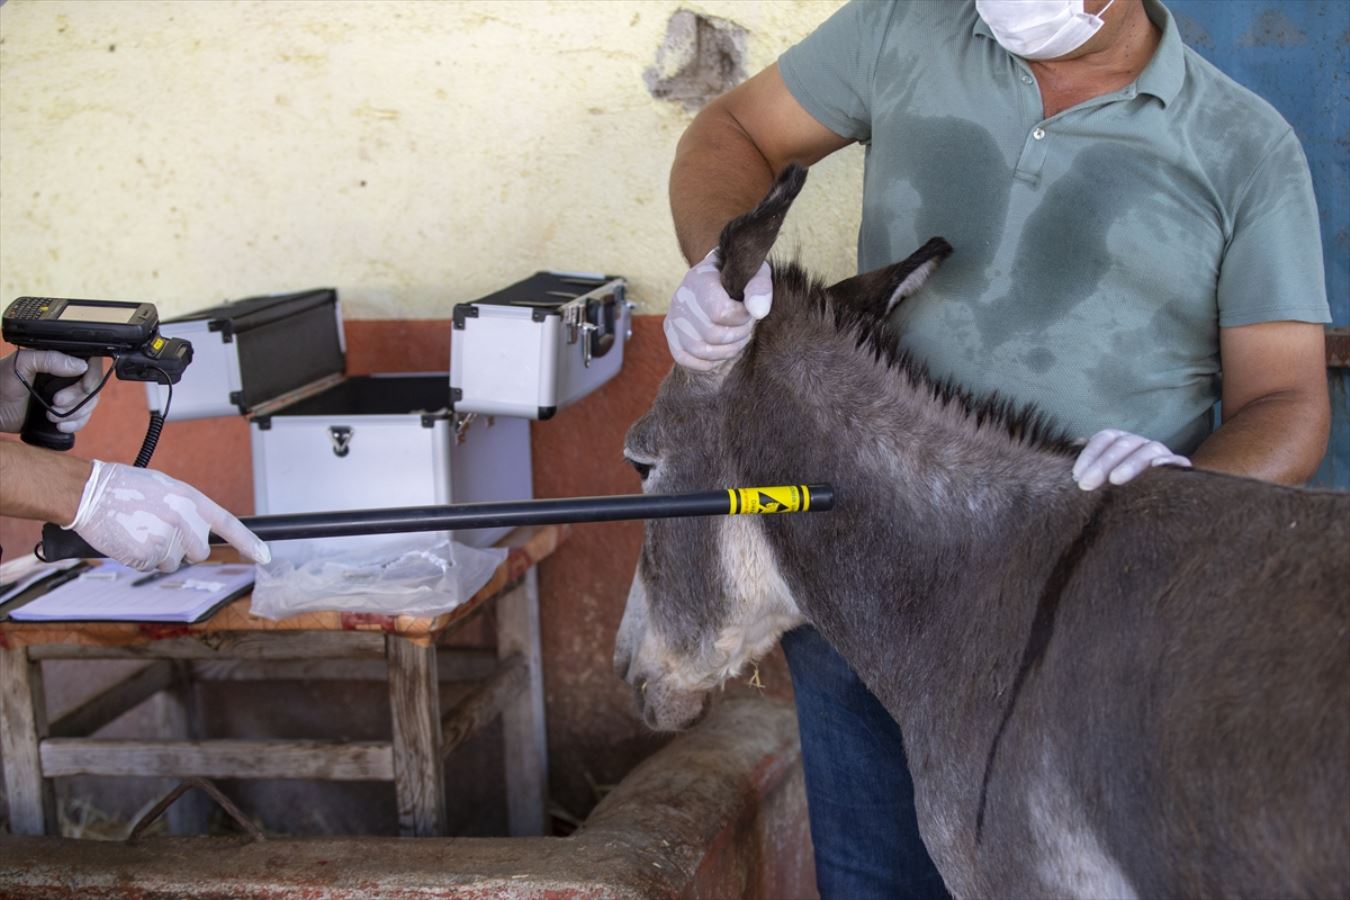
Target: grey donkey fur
[(1143, 691)]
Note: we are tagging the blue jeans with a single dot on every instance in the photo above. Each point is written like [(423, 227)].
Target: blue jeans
[(859, 792)]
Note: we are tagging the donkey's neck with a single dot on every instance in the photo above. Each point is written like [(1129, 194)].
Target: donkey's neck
[(935, 501), (951, 509)]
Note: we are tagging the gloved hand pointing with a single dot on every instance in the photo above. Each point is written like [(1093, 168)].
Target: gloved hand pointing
[(14, 397), (1118, 456), (147, 520), (704, 326)]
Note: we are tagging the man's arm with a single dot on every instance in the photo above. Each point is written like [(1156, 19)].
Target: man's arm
[(730, 153), (139, 517), (1276, 414), (40, 484)]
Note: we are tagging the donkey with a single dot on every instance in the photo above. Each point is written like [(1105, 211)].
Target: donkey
[(1139, 691)]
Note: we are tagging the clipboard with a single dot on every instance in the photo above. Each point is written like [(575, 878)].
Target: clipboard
[(42, 585), (114, 593)]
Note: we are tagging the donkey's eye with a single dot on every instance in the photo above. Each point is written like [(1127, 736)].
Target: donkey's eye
[(643, 469)]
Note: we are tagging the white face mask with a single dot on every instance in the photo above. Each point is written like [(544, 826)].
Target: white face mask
[(1040, 29)]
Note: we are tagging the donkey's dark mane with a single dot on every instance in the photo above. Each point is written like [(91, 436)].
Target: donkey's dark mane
[(1024, 423)]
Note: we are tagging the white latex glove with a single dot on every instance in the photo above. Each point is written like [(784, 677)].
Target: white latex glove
[(704, 326), (1118, 456), (147, 520), (14, 397)]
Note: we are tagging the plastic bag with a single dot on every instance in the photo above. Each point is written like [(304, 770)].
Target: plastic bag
[(416, 575)]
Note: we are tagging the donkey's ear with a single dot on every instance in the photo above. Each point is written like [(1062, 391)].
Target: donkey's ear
[(877, 292), (746, 240)]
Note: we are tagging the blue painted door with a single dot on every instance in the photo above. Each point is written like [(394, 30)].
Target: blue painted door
[(1296, 54)]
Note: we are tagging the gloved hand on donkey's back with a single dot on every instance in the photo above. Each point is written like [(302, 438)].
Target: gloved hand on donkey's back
[(1119, 456)]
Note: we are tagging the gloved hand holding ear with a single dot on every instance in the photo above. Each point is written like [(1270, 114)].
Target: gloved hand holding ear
[(24, 365), (705, 326)]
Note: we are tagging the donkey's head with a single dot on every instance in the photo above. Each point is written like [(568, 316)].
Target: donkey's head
[(708, 597)]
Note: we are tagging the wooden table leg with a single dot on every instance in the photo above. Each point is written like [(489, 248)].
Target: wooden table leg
[(23, 724), (414, 701), (180, 720), (523, 732)]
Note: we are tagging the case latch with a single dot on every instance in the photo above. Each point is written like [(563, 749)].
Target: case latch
[(593, 320), (462, 423), (341, 438), (464, 420)]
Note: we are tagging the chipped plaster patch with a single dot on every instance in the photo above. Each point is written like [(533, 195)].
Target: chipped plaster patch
[(701, 58)]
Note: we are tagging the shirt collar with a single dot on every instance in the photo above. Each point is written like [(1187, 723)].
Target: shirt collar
[(1163, 75), (1165, 72), (980, 28)]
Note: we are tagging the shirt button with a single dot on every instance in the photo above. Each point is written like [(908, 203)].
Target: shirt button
[(1038, 133), (1026, 79)]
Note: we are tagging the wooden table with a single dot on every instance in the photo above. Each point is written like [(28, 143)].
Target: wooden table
[(233, 644)]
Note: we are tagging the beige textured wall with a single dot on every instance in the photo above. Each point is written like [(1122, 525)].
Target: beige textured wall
[(412, 154)]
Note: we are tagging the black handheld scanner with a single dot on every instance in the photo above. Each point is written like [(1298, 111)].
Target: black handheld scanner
[(127, 332)]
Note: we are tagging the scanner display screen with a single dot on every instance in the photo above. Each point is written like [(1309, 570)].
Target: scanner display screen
[(114, 315)]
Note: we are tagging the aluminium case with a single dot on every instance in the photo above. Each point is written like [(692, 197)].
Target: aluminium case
[(380, 441), (539, 344), (253, 352)]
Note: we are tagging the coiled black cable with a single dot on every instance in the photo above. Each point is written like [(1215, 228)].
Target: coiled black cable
[(156, 424)]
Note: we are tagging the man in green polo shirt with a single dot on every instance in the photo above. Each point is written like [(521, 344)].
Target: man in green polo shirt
[(1135, 239)]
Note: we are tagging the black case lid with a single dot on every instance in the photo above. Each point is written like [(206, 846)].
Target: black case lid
[(286, 341), (546, 290), (236, 316)]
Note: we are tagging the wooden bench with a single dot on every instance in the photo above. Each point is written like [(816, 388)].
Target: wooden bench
[(234, 645)]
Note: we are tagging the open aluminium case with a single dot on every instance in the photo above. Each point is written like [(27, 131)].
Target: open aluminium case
[(254, 352), (539, 344)]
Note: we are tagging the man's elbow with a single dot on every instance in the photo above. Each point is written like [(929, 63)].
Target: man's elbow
[(1306, 433), (1318, 411), (1280, 437)]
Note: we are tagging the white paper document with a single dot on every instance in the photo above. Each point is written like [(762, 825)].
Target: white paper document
[(115, 593), (21, 574)]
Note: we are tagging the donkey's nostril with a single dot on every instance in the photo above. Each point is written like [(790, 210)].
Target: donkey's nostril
[(640, 703)]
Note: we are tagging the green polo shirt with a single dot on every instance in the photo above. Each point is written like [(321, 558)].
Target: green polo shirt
[(1098, 251)]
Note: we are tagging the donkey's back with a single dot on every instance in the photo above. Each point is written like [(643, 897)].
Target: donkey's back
[(1185, 700)]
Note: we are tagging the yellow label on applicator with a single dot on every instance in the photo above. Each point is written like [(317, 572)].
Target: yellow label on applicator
[(766, 500)]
